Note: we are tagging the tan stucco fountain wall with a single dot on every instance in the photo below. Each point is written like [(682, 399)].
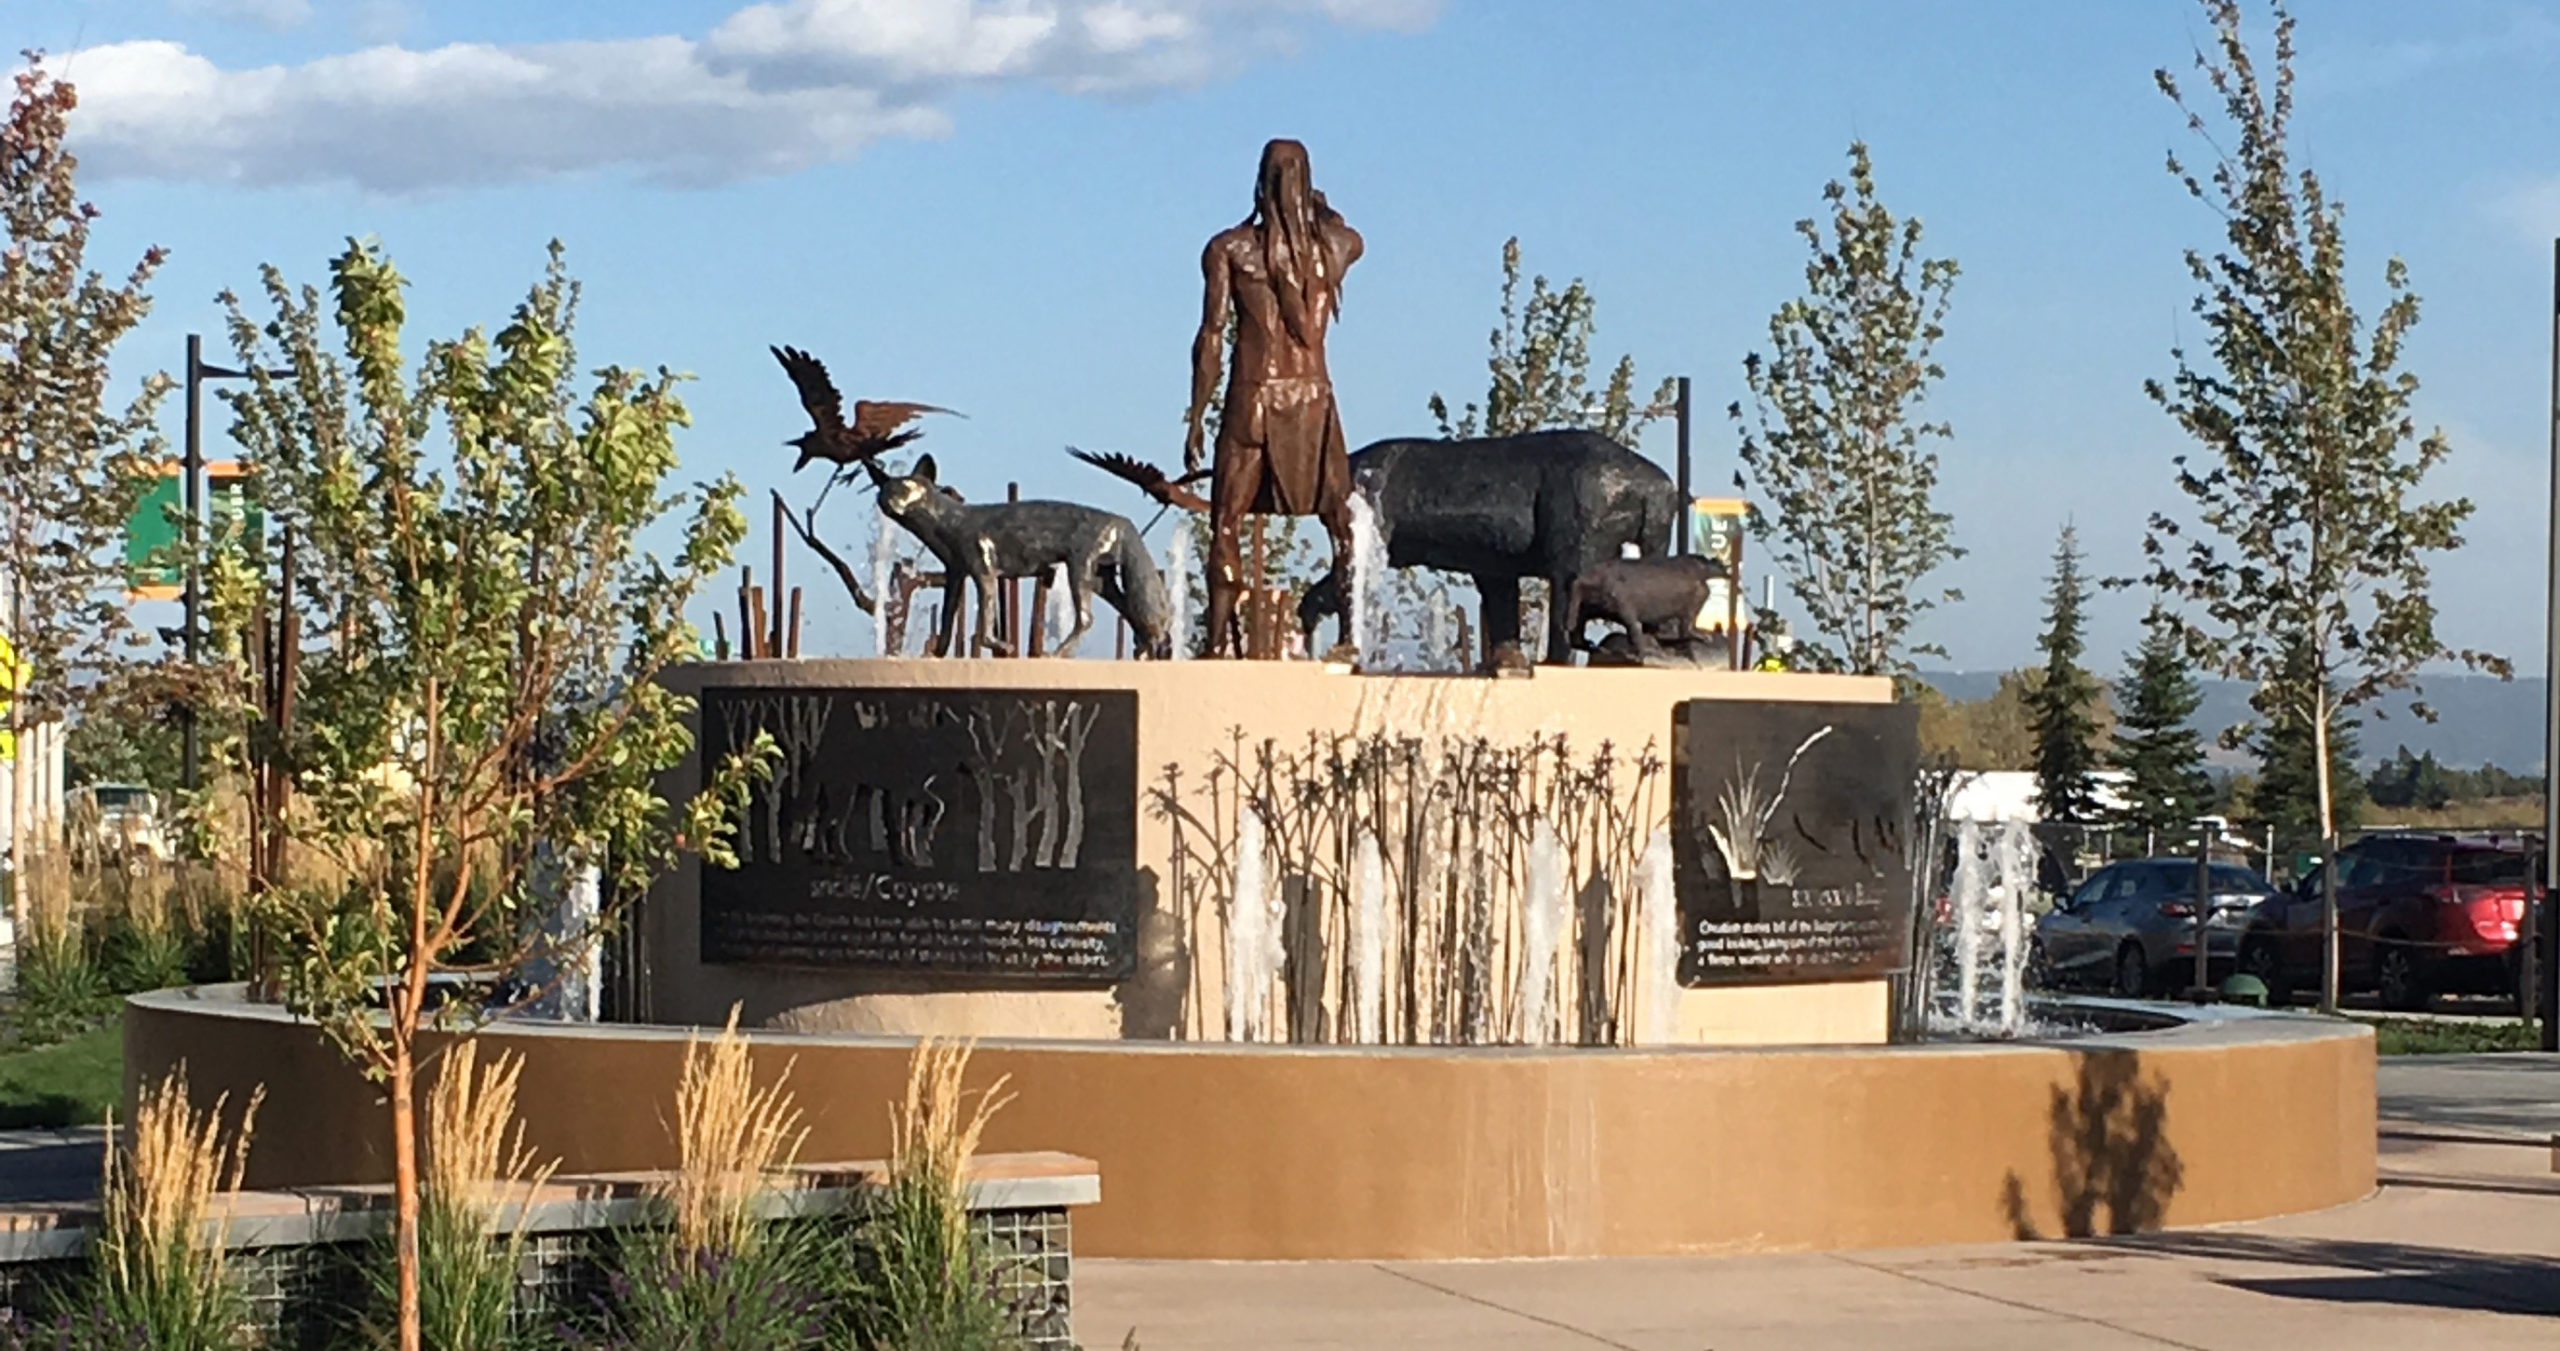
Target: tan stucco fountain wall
[(1186, 713)]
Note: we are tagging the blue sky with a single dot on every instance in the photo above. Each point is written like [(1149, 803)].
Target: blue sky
[(947, 205)]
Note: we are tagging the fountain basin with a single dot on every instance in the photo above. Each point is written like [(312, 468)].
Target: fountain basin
[(1212, 1150)]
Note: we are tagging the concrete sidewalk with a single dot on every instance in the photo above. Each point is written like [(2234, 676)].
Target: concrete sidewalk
[(2512, 1093), (2461, 1247)]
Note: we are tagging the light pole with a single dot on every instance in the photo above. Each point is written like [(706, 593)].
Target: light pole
[(2540, 930), (193, 468)]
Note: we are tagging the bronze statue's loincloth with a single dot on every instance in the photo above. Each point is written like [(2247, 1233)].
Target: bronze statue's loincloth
[(1290, 433)]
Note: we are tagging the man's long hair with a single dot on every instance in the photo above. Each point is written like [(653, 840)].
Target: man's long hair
[(1290, 216)]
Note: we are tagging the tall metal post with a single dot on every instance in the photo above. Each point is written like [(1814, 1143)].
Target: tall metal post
[(1685, 513), (2543, 931), (194, 472), (2206, 828)]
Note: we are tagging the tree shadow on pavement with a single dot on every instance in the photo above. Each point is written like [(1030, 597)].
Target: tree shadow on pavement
[(2364, 1272), (2114, 1169)]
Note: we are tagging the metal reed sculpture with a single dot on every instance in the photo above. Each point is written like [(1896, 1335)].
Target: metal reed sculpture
[(1449, 833)]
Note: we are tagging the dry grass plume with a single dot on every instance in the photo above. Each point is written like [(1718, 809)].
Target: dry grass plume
[(732, 1137)]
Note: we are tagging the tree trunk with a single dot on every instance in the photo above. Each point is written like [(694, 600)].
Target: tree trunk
[(2328, 849), (404, 1178), (22, 797), (407, 1012), (1873, 657)]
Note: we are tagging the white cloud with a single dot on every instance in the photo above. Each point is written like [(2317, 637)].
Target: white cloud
[(776, 87), (378, 21), (2527, 35), (274, 15), (2529, 210)]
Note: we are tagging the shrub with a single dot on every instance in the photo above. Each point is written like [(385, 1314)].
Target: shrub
[(61, 990), (716, 1275), (477, 1167), (158, 1273), (925, 1282)]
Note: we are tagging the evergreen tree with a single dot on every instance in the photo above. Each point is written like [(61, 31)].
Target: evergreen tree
[(2156, 743), (2063, 705), (2287, 795), (2407, 780)]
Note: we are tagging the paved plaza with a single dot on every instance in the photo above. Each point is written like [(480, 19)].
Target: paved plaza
[(2460, 1247)]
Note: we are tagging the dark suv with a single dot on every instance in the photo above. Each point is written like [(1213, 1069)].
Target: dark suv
[(2419, 913)]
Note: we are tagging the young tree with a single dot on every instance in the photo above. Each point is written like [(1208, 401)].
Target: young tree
[(1840, 470), (2065, 703), (473, 631), (2305, 562), (70, 469), (1541, 367), (2156, 744), (1992, 733), (1540, 364)]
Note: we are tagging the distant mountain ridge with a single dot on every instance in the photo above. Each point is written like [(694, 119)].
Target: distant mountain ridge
[(2480, 720)]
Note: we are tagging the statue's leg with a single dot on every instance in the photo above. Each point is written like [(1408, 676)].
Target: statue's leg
[(1559, 588), (1080, 585), (1577, 614), (955, 590), (1231, 495), (1324, 597), (984, 583), (1335, 513), (1638, 634), (1501, 600)]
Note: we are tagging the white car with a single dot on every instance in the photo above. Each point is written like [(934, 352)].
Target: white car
[(122, 821)]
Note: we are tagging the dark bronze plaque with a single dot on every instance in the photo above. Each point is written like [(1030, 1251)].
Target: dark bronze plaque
[(1791, 828), (963, 832)]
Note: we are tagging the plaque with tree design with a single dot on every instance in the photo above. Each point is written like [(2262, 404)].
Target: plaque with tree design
[(1791, 835), (988, 833)]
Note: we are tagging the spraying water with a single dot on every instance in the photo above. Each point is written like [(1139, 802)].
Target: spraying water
[(1366, 595), (1253, 936), (1177, 580), (884, 554), (1061, 616), (2017, 873), (1368, 941), (1965, 900), (1435, 633), (1542, 923), (1660, 904)]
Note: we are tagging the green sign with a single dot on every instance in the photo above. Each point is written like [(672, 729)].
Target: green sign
[(151, 539), (154, 540)]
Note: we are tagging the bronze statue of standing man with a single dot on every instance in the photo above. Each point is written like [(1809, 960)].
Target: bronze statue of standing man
[(1280, 450)]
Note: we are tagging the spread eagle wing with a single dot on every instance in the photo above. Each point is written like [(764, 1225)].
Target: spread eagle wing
[(817, 392), (875, 418), (1152, 481)]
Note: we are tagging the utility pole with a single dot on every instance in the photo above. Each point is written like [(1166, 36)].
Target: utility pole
[(2541, 932), (1681, 419)]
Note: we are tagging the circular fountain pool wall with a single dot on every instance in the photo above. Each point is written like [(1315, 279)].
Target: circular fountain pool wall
[(1247, 1152)]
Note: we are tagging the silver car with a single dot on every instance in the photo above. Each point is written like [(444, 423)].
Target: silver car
[(2131, 928)]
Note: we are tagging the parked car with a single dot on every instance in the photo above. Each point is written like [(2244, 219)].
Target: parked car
[(2419, 914), (118, 824), (2131, 928)]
